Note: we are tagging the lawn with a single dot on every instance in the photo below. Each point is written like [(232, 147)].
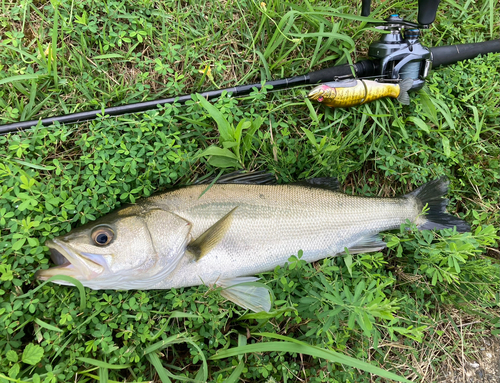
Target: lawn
[(420, 309)]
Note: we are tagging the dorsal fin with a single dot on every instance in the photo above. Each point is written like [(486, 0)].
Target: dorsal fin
[(342, 84), (238, 177), (328, 183), (265, 178)]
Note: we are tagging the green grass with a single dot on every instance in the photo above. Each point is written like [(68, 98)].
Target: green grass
[(392, 309)]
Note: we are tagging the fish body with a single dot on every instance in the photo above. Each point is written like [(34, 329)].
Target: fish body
[(343, 94), (271, 223), (183, 238)]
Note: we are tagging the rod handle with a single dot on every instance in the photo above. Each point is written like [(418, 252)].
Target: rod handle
[(451, 54)]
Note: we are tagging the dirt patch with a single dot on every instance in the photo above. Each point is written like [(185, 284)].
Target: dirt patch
[(483, 367)]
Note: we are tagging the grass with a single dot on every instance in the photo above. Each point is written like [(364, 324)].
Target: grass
[(414, 310)]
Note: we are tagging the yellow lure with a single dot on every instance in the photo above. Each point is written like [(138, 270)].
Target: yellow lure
[(342, 94)]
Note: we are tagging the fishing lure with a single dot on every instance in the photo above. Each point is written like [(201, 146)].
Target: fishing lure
[(342, 94)]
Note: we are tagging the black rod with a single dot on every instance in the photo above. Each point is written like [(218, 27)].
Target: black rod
[(148, 105), (363, 68)]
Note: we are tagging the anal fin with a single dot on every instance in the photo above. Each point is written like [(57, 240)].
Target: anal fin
[(367, 244), (249, 297)]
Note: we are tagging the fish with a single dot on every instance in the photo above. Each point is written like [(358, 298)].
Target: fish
[(343, 94), (224, 234)]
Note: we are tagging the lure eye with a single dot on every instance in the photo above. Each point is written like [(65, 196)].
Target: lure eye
[(102, 236)]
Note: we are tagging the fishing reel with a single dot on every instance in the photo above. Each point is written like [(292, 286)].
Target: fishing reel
[(400, 53)]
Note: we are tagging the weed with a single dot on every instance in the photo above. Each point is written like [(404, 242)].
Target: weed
[(390, 309)]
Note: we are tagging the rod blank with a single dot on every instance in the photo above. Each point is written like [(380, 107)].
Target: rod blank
[(148, 105)]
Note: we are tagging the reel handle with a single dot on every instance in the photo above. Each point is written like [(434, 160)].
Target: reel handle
[(365, 7), (427, 11)]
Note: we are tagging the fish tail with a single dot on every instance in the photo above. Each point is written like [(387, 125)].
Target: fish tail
[(436, 217), (404, 87)]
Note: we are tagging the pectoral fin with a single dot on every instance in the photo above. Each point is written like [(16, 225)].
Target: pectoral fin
[(202, 245), (249, 297)]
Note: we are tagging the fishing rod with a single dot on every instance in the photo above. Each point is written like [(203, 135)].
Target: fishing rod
[(397, 56)]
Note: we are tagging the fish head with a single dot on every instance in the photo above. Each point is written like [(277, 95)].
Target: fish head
[(322, 93), (128, 249)]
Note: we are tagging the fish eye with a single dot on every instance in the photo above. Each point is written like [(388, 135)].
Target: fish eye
[(102, 236)]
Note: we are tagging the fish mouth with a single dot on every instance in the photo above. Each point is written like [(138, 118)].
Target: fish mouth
[(315, 93), (58, 258), (82, 267), (319, 93)]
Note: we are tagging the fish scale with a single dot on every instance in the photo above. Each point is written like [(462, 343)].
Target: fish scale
[(318, 222)]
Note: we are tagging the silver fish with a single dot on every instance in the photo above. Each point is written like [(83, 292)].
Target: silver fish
[(234, 231)]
